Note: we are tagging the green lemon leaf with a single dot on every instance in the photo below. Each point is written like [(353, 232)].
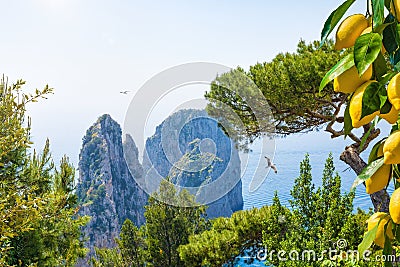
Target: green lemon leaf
[(368, 171), (371, 100), (387, 4), (374, 151), (334, 19), (378, 7), (348, 126), (366, 50), (386, 78), (379, 66), (387, 247), (367, 240), (386, 107), (390, 35), (382, 27), (344, 64), (383, 98), (396, 60), (367, 134)]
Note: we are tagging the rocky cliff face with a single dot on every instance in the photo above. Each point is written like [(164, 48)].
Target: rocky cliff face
[(192, 150), (106, 189), (196, 155)]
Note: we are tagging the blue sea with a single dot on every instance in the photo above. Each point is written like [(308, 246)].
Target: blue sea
[(288, 164)]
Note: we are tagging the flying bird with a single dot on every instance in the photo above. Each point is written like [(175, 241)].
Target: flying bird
[(124, 92), (271, 165)]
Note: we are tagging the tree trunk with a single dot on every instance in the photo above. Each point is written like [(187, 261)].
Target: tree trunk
[(351, 157)]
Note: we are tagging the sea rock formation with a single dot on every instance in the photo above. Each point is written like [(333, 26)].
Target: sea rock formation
[(188, 147), (192, 150), (106, 189)]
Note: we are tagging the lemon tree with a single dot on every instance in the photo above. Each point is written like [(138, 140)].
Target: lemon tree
[(372, 41)]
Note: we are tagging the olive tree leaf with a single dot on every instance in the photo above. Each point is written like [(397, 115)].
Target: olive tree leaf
[(366, 50), (344, 64), (334, 19)]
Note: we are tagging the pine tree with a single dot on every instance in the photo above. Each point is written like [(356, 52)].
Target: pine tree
[(38, 207), (132, 244), (303, 195), (319, 217), (168, 227)]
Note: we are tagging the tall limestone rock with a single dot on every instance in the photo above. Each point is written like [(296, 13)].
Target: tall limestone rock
[(106, 189), (193, 151)]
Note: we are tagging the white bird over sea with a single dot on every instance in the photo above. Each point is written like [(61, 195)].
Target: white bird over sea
[(124, 92), (270, 164)]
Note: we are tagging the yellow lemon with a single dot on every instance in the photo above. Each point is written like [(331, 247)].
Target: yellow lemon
[(391, 149), (390, 117), (356, 107), (393, 91), (374, 220), (349, 30), (349, 81), (379, 179), (395, 9), (368, 30), (394, 206)]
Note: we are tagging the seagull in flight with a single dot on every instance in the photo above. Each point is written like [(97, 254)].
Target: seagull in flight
[(124, 92), (271, 165)]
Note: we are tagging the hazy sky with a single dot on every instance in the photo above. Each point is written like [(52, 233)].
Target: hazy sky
[(90, 50)]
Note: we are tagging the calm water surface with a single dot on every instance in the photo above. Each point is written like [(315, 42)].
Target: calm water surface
[(288, 163)]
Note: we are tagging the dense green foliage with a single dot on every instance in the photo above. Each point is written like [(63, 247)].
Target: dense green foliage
[(168, 227), (130, 250), (156, 243), (290, 84), (318, 218), (241, 234), (379, 49), (38, 225), (298, 89)]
